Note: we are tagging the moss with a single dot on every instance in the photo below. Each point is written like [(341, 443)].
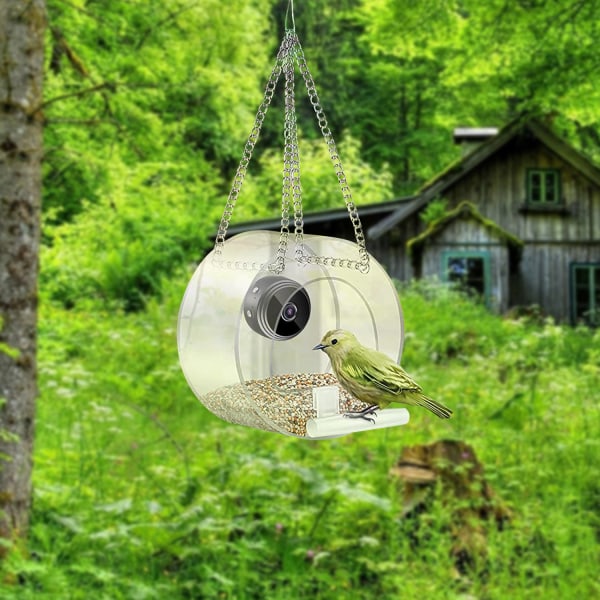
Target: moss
[(463, 210)]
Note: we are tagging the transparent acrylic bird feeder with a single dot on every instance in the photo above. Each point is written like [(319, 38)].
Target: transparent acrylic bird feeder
[(246, 336), (257, 305)]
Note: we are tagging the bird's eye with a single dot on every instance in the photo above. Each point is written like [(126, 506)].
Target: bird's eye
[(333, 342)]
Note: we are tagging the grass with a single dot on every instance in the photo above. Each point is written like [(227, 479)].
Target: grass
[(142, 493)]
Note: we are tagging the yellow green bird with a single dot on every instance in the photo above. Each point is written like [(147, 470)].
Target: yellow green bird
[(373, 377)]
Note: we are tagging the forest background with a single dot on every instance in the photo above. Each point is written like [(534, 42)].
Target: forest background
[(139, 492)]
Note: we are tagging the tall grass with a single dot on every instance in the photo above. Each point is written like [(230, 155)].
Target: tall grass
[(141, 493)]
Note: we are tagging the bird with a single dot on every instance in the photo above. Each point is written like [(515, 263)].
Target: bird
[(373, 377)]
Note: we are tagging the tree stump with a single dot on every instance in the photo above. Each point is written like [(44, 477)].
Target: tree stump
[(466, 494)]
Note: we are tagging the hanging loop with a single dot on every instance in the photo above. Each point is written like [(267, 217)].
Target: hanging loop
[(290, 10)]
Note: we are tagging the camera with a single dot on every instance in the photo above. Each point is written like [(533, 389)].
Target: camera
[(276, 307)]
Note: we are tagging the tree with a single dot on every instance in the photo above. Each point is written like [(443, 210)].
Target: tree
[(22, 27)]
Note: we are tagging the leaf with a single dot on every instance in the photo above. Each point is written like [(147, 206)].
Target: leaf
[(514, 398), (222, 579), (356, 494), (70, 523), (119, 507)]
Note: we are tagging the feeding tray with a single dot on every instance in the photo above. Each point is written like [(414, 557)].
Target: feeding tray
[(246, 334)]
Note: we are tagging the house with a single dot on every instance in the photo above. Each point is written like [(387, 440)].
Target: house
[(522, 225)]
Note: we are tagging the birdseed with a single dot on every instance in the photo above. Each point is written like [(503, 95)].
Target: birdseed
[(282, 403)]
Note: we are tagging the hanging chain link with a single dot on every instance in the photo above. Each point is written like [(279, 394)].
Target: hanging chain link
[(242, 169), (290, 53), (363, 263), (291, 167)]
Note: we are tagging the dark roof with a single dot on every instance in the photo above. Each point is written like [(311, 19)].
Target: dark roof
[(463, 166), (379, 208)]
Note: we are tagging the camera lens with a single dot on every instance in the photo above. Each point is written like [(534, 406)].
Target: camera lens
[(289, 312), (277, 307)]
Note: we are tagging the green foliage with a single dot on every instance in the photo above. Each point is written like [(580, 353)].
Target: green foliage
[(131, 83), (261, 193), (158, 217), (141, 493), (435, 210), (400, 75)]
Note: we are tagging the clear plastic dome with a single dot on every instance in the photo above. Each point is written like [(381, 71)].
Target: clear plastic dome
[(246, 335)]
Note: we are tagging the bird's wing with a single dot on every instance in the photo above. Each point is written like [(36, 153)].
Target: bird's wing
[(376, 380), (373, 368)]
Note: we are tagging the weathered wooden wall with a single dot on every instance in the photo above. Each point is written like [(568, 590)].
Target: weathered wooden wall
[(468, 235), (544, 272), (390, 249)]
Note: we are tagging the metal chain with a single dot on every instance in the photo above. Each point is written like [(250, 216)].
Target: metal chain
[(296, 187), (291, 165), (290, 53), (240, 174), (363, 263)]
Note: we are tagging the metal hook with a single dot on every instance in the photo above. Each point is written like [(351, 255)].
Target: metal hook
[(290, 8)]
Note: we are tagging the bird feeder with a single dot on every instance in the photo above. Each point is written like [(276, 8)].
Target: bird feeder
[(257, 305)]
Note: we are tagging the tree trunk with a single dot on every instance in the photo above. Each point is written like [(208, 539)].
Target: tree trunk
[(22, 25)]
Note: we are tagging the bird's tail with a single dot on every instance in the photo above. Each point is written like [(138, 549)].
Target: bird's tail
[(435, 407)]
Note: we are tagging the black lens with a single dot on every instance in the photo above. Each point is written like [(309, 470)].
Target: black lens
[(289, 312), (277, 307)]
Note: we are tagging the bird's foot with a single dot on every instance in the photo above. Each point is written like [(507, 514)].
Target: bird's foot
[(366, 414), (353, 415)]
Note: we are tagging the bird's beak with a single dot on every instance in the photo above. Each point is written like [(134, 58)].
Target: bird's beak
[(320, 347)]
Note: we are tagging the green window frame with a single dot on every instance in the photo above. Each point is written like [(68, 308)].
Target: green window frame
[(470, 269), (585, 293), (543, 187)]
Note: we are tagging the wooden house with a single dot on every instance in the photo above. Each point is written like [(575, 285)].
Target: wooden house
[(522, 226)]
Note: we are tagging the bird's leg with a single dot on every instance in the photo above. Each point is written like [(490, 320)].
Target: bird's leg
[(364, 413)]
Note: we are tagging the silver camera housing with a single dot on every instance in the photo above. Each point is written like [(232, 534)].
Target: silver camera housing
[(276, 307)]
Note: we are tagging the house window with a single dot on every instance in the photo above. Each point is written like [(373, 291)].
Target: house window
[(468, 270), (543, 187), (585, 293)]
